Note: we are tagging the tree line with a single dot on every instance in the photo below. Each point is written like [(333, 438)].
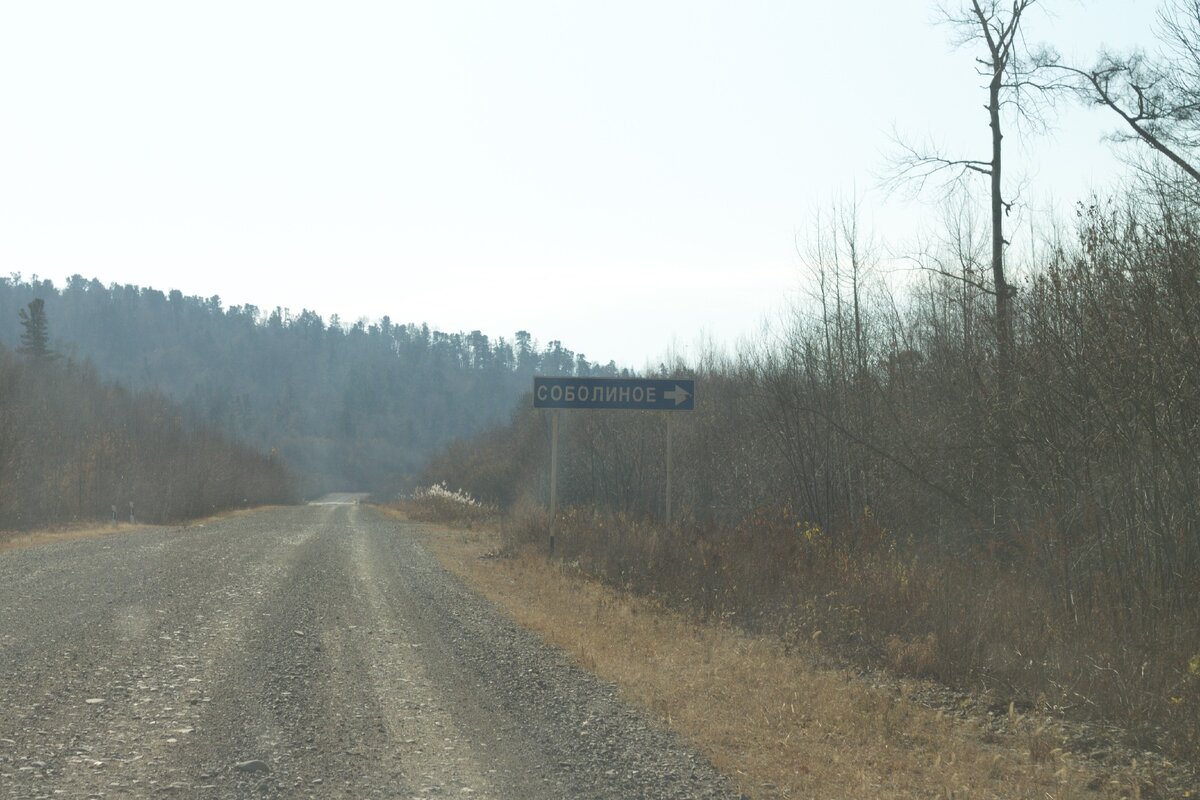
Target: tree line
[(346, 405), (75, 448)]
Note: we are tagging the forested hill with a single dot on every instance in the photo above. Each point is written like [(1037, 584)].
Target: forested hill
[(347, 405), (75, 448)]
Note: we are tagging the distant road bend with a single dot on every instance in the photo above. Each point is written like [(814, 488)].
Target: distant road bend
[(314, 651)]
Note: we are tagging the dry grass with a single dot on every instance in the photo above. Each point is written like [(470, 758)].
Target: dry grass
[(775, 720), (997, 618), (92, 530), (19, 541), (445, 508)]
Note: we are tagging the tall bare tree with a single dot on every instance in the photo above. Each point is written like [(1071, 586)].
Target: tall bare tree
[(1014, 78)]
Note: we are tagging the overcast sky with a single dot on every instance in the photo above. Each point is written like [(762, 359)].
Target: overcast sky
[(623, 176)]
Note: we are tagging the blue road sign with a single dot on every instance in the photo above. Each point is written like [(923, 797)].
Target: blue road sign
[(615, 393)]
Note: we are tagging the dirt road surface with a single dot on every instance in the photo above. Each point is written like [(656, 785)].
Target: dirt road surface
[(315, 651)]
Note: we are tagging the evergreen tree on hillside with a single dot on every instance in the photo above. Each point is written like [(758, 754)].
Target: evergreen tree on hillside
[(35, 340)]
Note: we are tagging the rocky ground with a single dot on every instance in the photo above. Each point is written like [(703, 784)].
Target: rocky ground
[(315, 651)]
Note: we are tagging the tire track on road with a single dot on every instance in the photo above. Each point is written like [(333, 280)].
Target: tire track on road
[(323, 650)]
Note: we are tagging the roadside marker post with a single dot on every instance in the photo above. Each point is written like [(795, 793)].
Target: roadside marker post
[(553, 476), (625, 394)]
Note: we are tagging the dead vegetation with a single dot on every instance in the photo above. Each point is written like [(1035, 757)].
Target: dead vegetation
[(436, 503), (17, 540), (783, 721), (988, 624)]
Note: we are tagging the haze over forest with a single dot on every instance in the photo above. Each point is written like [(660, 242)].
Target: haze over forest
[(347, 406)]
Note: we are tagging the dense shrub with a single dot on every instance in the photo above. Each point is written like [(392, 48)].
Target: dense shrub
[(857, 473), (437, 503), (73, 447)]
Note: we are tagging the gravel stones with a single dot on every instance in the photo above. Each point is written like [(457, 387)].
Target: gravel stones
[(314, 651)]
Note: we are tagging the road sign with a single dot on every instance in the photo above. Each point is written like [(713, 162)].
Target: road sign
[(638, 394)]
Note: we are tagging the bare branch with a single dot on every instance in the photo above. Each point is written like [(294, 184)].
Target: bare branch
[(1103, 84), (914, 165), (960, 277)]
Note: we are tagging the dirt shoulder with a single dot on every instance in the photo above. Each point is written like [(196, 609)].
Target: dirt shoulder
[(781, 721), (18, 540)]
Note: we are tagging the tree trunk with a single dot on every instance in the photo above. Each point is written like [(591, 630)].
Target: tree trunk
[(1005, 377)]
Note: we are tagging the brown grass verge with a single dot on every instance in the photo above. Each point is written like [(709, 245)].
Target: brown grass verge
[(91, 530), (773, 718), (1003, 621)]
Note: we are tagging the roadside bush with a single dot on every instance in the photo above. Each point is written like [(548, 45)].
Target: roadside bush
[(975, 620), (441, 505)]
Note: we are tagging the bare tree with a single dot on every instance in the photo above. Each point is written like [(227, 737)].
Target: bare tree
[(1016, 80), (1157, 97)]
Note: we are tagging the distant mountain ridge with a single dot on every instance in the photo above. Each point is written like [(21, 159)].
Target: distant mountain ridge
[(347, 406)]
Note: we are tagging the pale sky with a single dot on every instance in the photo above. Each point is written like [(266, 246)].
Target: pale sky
[(623, 176)]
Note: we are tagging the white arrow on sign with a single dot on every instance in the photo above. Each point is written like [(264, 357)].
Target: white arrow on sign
[(678, 394)]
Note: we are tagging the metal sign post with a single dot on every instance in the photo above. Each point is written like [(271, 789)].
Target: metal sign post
[(668, 471), (553, 476), (631, 394)]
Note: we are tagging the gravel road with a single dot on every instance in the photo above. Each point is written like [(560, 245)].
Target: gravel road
[(315, 651)]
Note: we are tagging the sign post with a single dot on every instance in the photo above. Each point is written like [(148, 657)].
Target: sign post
[(553, 476), (628, 394), (668, 471)]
